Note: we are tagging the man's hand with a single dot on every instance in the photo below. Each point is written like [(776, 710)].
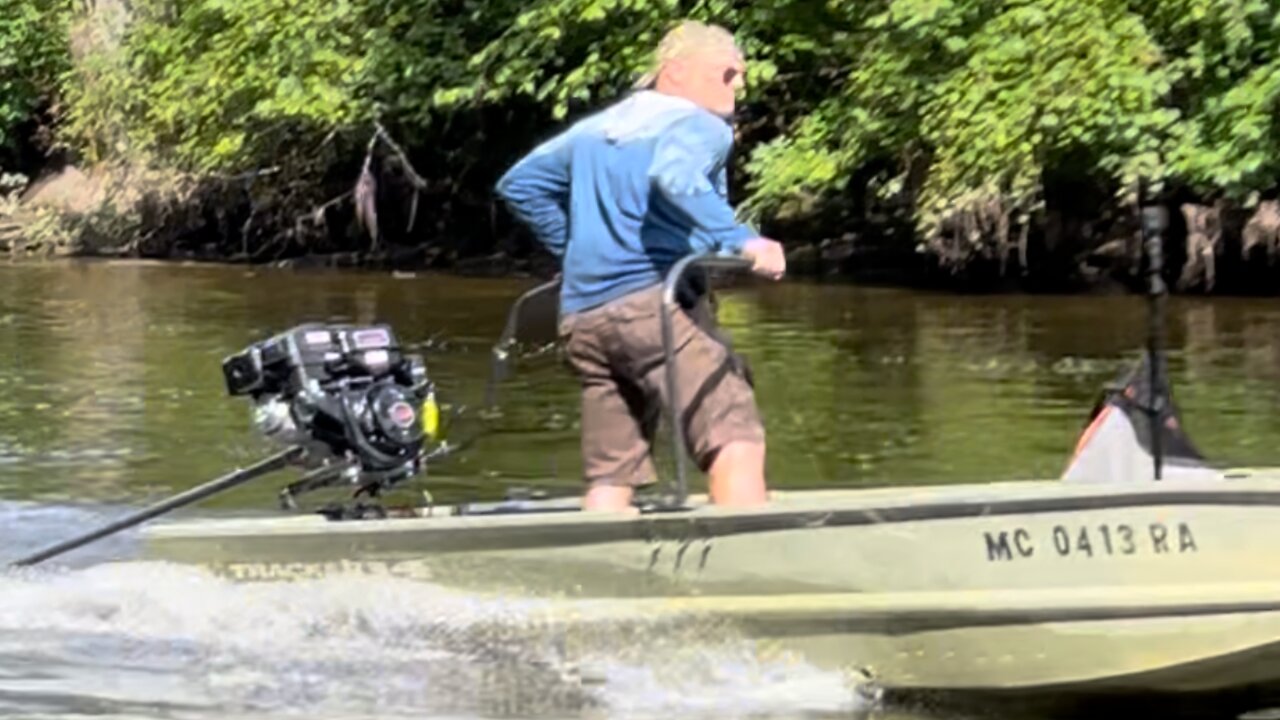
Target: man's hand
[(767, 256)]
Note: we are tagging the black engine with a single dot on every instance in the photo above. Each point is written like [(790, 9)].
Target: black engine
[(345, 393)]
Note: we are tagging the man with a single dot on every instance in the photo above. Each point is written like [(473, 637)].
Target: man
[(620, 197)]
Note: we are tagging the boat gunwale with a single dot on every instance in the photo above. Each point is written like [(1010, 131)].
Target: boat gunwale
[(815, 510)]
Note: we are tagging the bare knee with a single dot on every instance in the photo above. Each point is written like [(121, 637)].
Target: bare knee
[(609, 498), (737, 474)]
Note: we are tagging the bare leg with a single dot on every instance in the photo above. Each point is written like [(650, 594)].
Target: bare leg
[(737, 475), (609, 498)]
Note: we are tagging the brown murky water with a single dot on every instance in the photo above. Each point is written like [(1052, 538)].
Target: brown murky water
[(111, 395)]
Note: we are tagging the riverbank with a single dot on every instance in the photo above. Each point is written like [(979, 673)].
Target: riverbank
[(877, 147), (131, 213)]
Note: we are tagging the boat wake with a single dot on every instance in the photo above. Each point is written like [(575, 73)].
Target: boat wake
[(164, 640)]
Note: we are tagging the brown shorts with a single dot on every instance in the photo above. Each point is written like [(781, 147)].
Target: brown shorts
[(616, 350)]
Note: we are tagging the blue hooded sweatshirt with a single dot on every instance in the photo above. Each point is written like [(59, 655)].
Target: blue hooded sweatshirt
[(625, 193)]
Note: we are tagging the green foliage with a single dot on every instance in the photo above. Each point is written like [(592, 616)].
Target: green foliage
[(1042, 80), (1227, 71), (985, 98), (221, 84), (954, 110), (558, 52), (33, 52)]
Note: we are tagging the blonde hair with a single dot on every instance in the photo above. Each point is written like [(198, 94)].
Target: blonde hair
[(688, 38)]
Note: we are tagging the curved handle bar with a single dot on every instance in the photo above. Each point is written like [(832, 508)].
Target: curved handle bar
[(670, 306), (498, 361)]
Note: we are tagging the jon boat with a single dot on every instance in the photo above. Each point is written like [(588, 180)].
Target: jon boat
[(1103, 581), (1029, 586)]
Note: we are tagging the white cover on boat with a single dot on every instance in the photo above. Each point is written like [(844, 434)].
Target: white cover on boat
[(1116, 446), (1111, 453)]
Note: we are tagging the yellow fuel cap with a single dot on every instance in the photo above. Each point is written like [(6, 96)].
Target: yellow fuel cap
[(430, 416)]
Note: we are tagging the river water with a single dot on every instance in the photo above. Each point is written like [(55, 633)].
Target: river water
[(111, 396)]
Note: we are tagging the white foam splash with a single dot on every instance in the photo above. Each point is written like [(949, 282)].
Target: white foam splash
[(185, 643)]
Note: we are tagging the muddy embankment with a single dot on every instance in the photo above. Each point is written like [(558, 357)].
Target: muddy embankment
[(377, 222)]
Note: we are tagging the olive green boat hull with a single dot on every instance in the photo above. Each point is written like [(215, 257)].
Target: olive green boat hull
[(1028, 586)]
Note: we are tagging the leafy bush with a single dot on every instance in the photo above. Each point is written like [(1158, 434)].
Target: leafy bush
[(957, 112), (33, 54)]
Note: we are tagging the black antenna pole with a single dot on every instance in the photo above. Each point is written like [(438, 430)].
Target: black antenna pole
[(1154, 221)]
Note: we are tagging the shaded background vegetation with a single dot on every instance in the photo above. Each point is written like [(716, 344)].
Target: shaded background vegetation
[(33, 56), (993, 142)]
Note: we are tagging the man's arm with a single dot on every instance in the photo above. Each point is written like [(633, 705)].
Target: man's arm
[(536, 190), (685, 159)]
